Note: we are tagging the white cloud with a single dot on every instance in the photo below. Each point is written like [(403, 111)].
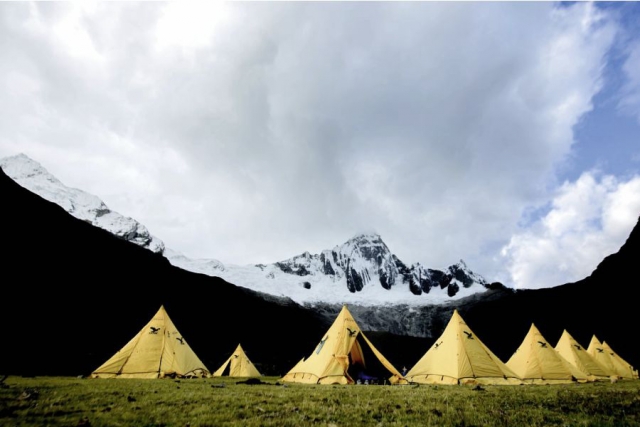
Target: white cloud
[(589, 219), (260, 130)]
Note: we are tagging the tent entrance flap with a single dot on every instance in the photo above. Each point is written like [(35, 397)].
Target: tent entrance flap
[(364, 365), (226, 368)]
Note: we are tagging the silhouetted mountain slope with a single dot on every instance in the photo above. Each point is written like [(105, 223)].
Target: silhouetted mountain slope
[(74, 294)]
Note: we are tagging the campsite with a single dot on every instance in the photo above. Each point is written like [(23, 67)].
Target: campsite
[(157, 380), (327, 214)]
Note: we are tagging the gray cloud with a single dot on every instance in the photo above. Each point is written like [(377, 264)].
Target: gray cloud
[(251, 132)]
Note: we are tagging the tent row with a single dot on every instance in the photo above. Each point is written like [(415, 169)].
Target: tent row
[(345, 355), (458, 356)]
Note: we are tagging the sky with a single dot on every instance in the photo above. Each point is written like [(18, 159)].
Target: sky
[(505, 134)]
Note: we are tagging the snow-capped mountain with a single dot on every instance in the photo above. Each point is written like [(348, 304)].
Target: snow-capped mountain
[(361, 271), (365, 260), (32, 176)]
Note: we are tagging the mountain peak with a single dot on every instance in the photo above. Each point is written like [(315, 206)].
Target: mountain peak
[(22, 166), (368, 236), (461, 264), (21, 158), (369, 245), (366, 232)]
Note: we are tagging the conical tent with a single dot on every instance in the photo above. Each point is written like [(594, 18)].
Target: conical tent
[(621, 366), (624, 367), (157, 351), (578, 356), (459, 357), (536, 361), (343, 356), (603, 358), (237, 365)]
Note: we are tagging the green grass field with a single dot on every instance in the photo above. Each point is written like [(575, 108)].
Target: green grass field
[(56, 401)]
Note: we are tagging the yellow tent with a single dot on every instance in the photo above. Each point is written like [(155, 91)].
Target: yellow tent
[(343, 356), (603, 353), (157, 351), (537, 362), (459, 357), (578, 356), (237, 365), (622, 367), (596, 350)]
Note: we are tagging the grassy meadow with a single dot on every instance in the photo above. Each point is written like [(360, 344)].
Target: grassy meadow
[(63, 401)]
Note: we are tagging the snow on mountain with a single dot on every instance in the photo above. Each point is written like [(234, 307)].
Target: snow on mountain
[(361, 271), (210, 267), (32, 176)]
